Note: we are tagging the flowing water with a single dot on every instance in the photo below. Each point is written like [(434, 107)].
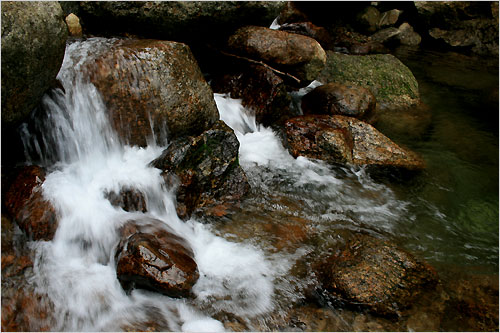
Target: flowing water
[(248, 271)]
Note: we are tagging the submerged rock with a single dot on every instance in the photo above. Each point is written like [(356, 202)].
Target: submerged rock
[(300, 56), (346, 140), (370, 273), (392, 83), (26, 204), (261, 90), (337, 99), (150, 86), (206, 168), (33, 43), (151, 256)]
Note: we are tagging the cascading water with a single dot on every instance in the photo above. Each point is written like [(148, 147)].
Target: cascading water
[(86, 159)]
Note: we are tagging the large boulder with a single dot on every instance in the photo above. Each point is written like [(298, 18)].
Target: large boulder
[(25, 202), (33, 43), (193, 21), (151, 256), (346, 140), (261, 91), (300, 56), (150, 86), (370, 273), (206, 168), (392, 83)]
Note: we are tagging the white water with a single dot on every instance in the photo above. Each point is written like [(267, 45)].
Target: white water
[(77, 268)]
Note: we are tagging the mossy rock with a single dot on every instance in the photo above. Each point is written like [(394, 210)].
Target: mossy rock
[(392, 83)]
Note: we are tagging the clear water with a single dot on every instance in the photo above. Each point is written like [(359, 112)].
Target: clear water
[(254, 262)]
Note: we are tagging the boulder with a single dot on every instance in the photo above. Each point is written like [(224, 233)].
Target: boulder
[(300, 56), (346, 140), (206, 168), (337, 99), (368, 19), (26, 204), (151, 256), (320, 34), (389, 18), (351, 42), (392, 83), (373, 274), (33, 43), (129, 199), (407, 36), (261, 90), (189, 21), (153, 89)]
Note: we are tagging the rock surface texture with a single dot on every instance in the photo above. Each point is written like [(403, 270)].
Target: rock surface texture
[(150, 86), (33, 43)]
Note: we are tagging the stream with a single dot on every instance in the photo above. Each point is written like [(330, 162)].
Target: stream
[(254, 261)]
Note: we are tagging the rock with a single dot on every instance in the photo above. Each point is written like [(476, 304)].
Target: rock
[(385, 35), (412, 122), (291, 14), (392, 83), (370, 273), (346, 140), (145, 81), (24, 201), (129, 199), (337, 99), (407, 36), (389, 18), (369, 19), (207, 167), (74, 27), (295, 54), (151, 256), (320, 34), (33, 43), (351, 42), (261, 90), (190, 21)]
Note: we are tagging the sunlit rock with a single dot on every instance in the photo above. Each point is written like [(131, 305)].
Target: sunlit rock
[(151, 256)]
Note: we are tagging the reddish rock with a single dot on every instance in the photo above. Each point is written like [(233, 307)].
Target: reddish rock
[(300, 56), (340, 139), (370, 273), (25, 203), (152, 86), (261, 91), (151, 256), (338, 99)]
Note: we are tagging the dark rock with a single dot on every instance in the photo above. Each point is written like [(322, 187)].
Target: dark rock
[(297, 55), (346, 140), (150, 255), (129, 199), (392, 83), (351, 42), (368, 20), (207, 168), (337, 99), (291, 14), (261, 91), (412, 122), (33, 43), (24, 201), (158, 82), (370, 273), (389, 18), (320, 34), (385, 35)]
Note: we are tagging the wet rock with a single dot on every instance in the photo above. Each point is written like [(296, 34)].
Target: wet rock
[(194, 21), (413, 122), (261, 91), (74, 27), (407, 36), (346, 140), (368, 20), (33, 43), (206, 168), (154, 88), (337, 99), (320, 34), (370, 273), (385, 35), (389, 18), (297, 55), (392, 83), (151, 256), (350, 42), (129, 199), (291, 14), (25, 202)]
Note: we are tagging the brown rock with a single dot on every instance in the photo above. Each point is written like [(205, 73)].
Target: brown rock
[(340, 139), (337, 99), (298, 55), (370, 273), (291, 14), (25, 203), (151, 256), (74, 27), (308, 29), (129, 199), (150, 86)]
